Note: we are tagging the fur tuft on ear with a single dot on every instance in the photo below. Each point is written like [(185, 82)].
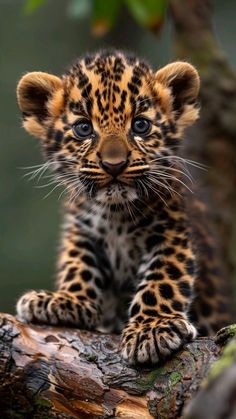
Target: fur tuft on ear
[(39, 95), (183, 82)]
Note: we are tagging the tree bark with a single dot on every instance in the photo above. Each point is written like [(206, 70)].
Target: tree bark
[(212, 141), (217, 396), (48, 372)]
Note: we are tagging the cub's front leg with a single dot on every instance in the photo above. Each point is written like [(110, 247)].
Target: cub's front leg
[(158, 323), (78, 299)]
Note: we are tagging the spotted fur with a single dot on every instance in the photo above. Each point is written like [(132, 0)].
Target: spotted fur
[(129, 259)]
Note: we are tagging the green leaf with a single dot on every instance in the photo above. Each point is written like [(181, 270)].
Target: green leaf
[(104, 14), (31, 5), (148, 13), (79, 8)]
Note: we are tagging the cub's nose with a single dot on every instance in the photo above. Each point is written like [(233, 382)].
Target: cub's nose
[(114, 169)]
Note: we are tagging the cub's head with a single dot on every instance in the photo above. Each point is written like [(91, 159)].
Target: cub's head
[(110, 125)]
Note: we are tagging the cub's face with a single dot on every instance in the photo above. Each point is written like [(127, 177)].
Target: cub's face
[(108, 125)]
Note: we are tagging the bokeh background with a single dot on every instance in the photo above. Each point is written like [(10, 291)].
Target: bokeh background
[(49, 39)]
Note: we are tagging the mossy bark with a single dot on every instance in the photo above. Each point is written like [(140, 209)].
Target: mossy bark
[(217, 396), (50, 372)]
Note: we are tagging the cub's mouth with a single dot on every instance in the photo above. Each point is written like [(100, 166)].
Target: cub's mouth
[(117, 183), (116, 192)]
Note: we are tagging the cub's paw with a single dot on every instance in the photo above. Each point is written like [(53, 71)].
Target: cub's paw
[(152, 340), (57, 308)]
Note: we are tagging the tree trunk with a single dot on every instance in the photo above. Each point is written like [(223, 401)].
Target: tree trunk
[(48, 372), (212, 141)]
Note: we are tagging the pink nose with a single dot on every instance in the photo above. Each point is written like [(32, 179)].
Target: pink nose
[(114, 169)]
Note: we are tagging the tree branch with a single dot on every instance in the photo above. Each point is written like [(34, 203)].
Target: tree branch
[(50, 372)]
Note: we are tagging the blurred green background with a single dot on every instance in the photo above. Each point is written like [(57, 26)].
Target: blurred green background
[(49, 40)]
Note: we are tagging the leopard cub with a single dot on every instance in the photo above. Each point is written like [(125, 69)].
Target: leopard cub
[(110, 128)]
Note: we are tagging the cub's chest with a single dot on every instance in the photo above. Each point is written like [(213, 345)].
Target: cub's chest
[(123, 253)]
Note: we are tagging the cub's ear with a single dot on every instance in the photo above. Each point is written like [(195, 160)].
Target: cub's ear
[(183, 82), (40, 96)]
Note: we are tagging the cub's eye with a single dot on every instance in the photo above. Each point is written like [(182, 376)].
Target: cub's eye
[(141, 126), (82, 128)]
